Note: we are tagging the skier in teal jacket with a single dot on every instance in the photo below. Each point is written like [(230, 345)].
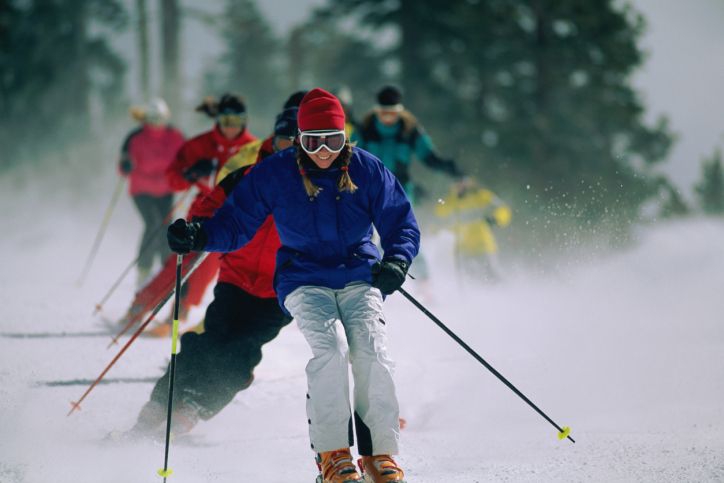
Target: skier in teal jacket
[(394, 135)]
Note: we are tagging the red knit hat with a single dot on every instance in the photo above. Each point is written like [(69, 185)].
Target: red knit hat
[(320, 110)]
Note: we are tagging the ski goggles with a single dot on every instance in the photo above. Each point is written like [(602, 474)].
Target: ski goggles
[(313, 141), (231, 120), (283, 142), (389, 113)]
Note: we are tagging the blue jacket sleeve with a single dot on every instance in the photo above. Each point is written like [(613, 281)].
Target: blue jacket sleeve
[(244, 211), (393, 216)]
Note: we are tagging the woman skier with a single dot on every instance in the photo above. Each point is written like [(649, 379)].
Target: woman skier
[(146, 154), (325, 196)]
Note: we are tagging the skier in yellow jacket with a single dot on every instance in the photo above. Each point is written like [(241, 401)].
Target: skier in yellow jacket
[(472, 210)]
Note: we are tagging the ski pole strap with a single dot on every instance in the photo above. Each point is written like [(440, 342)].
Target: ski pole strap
[(562, 432)]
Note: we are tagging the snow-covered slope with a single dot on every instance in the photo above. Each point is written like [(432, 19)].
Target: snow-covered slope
[(628, 351)]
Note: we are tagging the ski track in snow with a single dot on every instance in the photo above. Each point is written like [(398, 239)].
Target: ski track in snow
[(627, 350)]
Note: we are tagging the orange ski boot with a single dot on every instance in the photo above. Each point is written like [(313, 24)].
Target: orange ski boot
[(380, 469), (337, 467), (164, 329), (159, 331)]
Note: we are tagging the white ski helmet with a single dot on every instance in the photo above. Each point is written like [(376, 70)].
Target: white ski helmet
[(157, 111)]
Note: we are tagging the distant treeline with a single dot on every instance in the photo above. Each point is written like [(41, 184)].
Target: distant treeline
[(533, 97)]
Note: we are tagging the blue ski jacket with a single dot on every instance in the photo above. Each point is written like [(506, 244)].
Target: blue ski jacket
[(327, 239)]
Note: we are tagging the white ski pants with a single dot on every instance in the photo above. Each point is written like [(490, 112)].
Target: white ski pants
[(358, 309)]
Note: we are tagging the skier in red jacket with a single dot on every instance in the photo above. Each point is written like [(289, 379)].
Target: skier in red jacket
[(146, 154), (196, 165), (214, 366)]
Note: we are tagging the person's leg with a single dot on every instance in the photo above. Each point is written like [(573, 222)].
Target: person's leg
[(159, 247), (213, 367), (328, 408), (144, 205), (375, 400), (193, 292), (151, 294)]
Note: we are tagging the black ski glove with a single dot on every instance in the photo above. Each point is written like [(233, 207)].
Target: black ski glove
[(389, 275), (452, 169), (184, 236), (125, 166), (447, 166), (201, 169)]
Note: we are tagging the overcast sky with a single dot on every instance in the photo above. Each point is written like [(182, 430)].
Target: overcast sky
[(682, 78)]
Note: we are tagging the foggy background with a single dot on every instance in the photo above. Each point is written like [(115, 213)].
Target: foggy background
[(599, 128), (649, 92)]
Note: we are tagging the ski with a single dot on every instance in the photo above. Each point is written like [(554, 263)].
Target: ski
[(51, 335), (85, 382)]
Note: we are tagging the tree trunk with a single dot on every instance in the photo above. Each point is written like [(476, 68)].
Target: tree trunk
[(540, 152), (78, 101), (171, 26), (414, 72), (143, 53), (296, 58)]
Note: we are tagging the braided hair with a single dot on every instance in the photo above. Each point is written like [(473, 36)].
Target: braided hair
[(344, 183)]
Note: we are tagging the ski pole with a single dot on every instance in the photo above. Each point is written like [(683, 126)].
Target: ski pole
[(134, 319), (165, 472), (102, 229), (159, 230), (75, 405), (563, 432)]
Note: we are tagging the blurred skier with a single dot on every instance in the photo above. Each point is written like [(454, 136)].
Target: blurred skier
[(325, 196), (196, 165), (344, 94), (146, 154), (394, 135), (153, 292), (472, 210), (214, 366)]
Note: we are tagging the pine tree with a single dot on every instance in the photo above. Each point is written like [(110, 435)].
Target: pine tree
[(533, 95), (673, 203), (251, 64), (52, 64), (710, 190), (325, 55)]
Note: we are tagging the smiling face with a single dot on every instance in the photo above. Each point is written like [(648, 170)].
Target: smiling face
[(323, 158)]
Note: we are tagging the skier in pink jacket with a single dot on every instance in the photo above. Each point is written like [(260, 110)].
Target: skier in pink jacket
[(145, 156)]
